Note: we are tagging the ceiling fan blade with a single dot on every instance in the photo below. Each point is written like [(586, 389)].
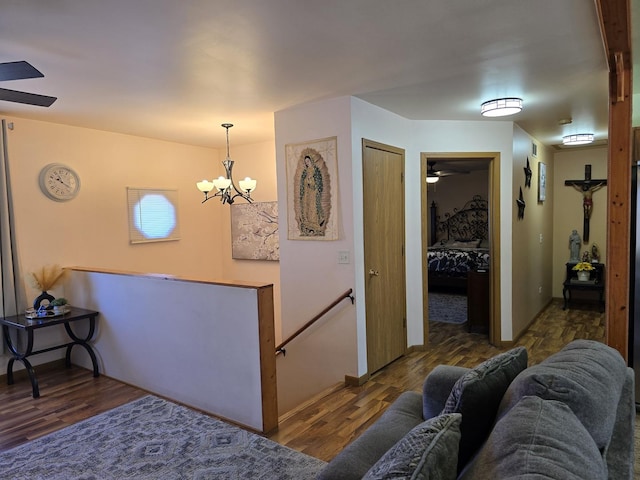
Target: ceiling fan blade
[(447, 173), (27, 98), (18, 71)]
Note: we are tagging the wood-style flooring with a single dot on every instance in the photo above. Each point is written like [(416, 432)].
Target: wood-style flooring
[(320, 428)]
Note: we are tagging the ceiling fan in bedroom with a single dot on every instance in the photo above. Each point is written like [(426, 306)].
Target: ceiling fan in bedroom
[(20, 71), (434, 175)]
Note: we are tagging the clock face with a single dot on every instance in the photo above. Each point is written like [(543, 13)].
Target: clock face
[(59, 182)]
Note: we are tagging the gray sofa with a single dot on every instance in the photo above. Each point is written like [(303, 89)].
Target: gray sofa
[(568, 417)]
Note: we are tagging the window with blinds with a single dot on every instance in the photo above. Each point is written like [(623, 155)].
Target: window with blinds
[(153, 215)]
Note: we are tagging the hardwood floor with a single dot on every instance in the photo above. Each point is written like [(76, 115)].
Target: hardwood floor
[(320, 428)]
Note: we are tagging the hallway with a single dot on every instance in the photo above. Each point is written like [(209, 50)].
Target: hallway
[(321, 428)]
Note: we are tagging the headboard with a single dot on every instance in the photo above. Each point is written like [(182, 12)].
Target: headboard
[(470, 222)]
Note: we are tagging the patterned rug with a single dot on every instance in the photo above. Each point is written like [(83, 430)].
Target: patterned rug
[(152, 438), (447, 307)]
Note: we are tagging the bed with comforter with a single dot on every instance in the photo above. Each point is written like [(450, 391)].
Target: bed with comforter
[(460, 244)]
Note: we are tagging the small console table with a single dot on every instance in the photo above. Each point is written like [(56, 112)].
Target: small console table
[(594, 284), (478, 301), (19, 323)]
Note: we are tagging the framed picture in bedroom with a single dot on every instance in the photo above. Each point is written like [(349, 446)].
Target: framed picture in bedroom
[(542, 182)]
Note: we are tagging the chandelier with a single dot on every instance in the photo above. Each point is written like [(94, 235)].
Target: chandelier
[(227, 190)]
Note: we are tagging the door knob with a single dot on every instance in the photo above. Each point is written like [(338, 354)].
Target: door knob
[(373, 273)]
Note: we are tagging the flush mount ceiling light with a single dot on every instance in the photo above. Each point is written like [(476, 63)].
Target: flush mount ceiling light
[(577, 139), (501, 107)]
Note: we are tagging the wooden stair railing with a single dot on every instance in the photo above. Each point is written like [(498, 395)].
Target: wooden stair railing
[(348, 294)]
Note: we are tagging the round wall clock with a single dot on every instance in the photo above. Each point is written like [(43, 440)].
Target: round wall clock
[(59, 182)]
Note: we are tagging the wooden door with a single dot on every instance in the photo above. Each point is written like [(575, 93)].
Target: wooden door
[(384, 262)]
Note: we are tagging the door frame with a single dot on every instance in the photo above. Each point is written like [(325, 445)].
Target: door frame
[(495, 325), (398, 151)]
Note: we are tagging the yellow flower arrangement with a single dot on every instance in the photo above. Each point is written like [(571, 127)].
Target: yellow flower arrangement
[(583, 267)]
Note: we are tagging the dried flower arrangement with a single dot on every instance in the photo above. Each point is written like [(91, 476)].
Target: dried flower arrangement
[(47, 277)]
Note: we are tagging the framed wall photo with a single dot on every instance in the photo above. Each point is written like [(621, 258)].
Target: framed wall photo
[(312, 190), (254, 231), (542, 182)]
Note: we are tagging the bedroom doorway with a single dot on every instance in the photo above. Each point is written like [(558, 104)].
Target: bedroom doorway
[(449, 164), (384, 261)]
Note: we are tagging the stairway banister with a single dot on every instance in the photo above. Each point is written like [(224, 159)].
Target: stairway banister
[(348, 294)]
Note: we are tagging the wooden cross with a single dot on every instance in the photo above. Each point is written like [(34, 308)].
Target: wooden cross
[(586, 187)]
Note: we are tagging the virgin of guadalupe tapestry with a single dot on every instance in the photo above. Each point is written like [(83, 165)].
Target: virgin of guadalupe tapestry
[(312, 190)]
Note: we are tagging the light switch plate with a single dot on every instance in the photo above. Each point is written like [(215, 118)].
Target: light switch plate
[(343, 256)]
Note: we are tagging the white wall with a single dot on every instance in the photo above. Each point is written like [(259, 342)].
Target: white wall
[(310, 276), (194, 342), (453, 136)]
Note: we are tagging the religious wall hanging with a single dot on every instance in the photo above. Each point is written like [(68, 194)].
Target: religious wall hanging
[(586, 187), (254, 231), (312, 190)]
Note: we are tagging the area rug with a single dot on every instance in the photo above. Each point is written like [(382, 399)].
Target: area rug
[(447, 307), (152, 438)]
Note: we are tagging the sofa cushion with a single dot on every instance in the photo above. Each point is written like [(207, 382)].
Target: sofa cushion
[(437, 388), (477, 394), (428, 451), (586, 375), (361, 454), (538, 439)]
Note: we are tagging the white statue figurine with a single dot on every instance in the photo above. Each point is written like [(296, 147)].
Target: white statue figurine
[(574, 246)]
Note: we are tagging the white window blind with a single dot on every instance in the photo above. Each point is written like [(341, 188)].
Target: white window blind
[(153, 215)]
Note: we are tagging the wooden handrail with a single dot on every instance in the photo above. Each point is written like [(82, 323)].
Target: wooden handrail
[(347, 294)]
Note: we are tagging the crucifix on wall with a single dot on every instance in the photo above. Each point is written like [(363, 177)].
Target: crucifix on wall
[(586, 186)]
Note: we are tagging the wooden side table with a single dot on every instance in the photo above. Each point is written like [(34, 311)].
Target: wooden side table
[(19, 323), (594, 284), (478, 301)]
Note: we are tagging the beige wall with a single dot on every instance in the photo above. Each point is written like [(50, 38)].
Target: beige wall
[(569, 165), (532, 235), (92, 230)]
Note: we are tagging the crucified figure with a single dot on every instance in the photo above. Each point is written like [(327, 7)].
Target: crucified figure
[(586, 187), (587, 196)]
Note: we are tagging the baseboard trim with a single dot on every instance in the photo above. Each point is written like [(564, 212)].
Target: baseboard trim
[(416, 348), (350, 381)]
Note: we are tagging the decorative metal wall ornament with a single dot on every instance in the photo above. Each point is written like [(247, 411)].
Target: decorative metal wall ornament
[(521, 205), (527, 175)]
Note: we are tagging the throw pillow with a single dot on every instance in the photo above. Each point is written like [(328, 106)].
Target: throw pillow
[(538, 439), (428, 451), (586, 375), (477, 395)]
